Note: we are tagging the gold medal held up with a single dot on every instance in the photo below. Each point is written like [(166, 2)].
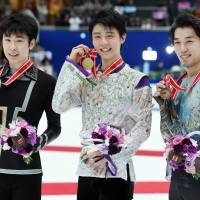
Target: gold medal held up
[(87, 63)]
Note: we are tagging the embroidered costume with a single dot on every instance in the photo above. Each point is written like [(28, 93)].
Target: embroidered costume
[(122, 98), (181, 116)]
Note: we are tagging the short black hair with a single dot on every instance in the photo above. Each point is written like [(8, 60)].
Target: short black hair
[(19, 23), (109, 18), (185, 20)]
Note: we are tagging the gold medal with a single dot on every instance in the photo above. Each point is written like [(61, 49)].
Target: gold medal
[(87, 63)]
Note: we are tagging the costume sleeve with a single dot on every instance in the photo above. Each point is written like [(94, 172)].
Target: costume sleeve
[(166, 118), (137, 123), (53, 122), (68, 88), (169, 124)]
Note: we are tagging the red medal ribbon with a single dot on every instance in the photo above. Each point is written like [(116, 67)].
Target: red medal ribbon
[(112, 67), (19, 72), (92, 53), (1, 71), (175, 84)]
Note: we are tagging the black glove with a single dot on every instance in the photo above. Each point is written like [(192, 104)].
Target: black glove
[(40, 143)]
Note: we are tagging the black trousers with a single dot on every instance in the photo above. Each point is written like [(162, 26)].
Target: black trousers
[(180, 192), (91, 188), (20, 187), (184, 187)]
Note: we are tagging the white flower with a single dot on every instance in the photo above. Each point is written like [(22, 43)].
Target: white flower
[(6, 147), (15, 131)]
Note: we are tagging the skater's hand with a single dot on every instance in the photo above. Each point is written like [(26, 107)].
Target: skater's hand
[(162, 90), (195, 168), (191, 170), (96, 162), (77, 52)]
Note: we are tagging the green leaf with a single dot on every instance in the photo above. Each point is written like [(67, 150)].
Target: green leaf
[(27, 160)]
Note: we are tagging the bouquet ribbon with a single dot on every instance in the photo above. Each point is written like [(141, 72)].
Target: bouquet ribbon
[(110, 165), (169, 81), (18, 73)]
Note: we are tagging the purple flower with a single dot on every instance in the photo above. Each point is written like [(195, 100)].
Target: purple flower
[(113, 149), (95, 135), (185, 148), (32, 139), (177, 140), (188, 163), (20, 151), (24, 132), (190, 157), (186, 141), (113, 140), (103, 149), (173, 165), (192, 149), (178, 148), (102, 128)]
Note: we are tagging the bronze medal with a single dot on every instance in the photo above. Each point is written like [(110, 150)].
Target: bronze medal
[(87, 63)]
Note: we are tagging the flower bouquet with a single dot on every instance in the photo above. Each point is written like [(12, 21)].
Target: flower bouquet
[(109, 140), (182, 153), (20, 137)]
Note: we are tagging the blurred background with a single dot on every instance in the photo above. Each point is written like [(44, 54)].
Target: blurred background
[(63, 24)]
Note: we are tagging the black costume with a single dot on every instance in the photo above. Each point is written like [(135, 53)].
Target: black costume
[(27, 97)]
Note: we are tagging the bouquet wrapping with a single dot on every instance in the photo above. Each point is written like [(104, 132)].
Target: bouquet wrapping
[(20, 138), (182, 153), (108, 140)]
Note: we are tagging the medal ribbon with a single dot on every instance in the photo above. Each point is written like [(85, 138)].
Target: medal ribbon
[(112, 67), (92, 54), (18, 73), (175, 84), (1, 71)]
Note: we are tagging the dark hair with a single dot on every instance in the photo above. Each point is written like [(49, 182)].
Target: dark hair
[(109, 18), (185, 20), (19, 23)]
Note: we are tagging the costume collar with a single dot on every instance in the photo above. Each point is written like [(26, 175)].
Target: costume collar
[(31, 73), (115, 67)]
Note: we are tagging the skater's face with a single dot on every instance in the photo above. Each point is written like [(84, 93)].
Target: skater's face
[(16, 48), (187, 45), (107, 42)]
